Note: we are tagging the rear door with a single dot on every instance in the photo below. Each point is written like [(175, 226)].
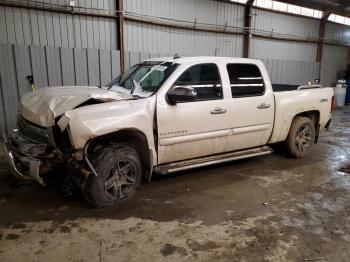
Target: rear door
[(196, 128), (251, 107)]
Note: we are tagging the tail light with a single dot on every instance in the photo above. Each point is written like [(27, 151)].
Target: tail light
[(333, 105)]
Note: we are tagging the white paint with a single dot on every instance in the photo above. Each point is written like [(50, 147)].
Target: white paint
[(43, 105), (186, 130)]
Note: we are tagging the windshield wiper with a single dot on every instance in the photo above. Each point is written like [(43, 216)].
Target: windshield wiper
[(137, 96), (116, 86)]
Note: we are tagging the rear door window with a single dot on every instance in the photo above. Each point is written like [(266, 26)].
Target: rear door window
[(245, 80)]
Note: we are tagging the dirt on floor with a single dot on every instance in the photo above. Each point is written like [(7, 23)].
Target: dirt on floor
[(270, 208)]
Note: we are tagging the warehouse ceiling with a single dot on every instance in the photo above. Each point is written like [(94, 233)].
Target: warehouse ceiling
[(340, 7)]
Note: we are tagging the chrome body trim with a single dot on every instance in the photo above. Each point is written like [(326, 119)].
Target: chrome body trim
[(210, 160), (22, 166), (10, 158)]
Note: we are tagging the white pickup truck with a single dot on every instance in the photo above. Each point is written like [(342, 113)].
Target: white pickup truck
[(162, 115)]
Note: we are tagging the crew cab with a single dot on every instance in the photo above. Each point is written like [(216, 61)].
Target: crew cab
[(162, 115)]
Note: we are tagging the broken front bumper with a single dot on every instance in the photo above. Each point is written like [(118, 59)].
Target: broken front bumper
[(11, 159), (27, 158)]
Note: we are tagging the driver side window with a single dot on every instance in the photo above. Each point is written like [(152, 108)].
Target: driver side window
[(204, 79)]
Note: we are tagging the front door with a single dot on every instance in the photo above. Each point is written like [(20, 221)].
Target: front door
[(195, 128)]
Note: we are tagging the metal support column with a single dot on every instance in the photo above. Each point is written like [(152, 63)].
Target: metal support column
[(320, 44), (120, 33), (321, 33), (247, 28)]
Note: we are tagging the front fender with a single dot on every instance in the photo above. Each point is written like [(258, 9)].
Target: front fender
[(93, 121)]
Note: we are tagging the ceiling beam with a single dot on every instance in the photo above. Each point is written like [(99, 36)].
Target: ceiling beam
[(344, 3)]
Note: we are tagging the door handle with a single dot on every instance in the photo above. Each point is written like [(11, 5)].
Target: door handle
[(217, 111), (263, 106)]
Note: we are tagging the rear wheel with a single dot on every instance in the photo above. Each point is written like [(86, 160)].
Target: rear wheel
[(301, 136), (119, 173)]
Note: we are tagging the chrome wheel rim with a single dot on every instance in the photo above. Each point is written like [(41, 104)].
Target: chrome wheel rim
[(303, 138), (121, 180)]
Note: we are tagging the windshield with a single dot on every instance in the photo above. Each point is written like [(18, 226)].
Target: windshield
[(142, 80)]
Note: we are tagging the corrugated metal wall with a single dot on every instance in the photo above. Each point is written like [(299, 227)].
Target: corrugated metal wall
[(335, 58), (337, 32), (40, 28), (288, 62), (50, 66), (263, 20), (334, 62), (210, 12), (283, 50), (289, 72), (56, 48), (159, 39)]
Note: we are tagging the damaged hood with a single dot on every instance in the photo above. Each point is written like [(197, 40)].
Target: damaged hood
[(43, 105)]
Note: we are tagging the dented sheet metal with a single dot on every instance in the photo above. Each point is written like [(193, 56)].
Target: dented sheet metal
[(43, 105), (89, 122)]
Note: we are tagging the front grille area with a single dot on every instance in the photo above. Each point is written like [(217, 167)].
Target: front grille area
[(33, 131)]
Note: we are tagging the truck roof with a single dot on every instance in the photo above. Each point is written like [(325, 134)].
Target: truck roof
[(187, 59)]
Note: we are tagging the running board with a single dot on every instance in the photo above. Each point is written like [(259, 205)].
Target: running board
[(210, 160)]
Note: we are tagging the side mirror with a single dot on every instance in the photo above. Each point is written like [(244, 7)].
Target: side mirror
[(181, 94)]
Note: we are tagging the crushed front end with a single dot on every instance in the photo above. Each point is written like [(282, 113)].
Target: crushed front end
[(31, 150)]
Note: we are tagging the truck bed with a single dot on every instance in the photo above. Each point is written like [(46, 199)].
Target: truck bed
[(289, 104)]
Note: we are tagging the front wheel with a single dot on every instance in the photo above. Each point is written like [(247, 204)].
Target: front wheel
[(119, 173), (301, 136)]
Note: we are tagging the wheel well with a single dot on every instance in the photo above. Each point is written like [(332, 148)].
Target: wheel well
[(314, 115), (133, 138)]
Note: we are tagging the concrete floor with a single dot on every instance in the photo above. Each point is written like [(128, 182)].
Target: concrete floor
[(269, 208)]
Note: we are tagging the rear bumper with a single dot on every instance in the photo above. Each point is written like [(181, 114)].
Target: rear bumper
[(23, 156)]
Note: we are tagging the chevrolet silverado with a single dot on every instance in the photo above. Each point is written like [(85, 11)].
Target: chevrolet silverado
[(162, 115)]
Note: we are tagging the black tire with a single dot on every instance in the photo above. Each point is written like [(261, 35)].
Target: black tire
[(119, 172), (301, 136)]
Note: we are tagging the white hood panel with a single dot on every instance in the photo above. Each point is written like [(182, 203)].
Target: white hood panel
[(43, 105)]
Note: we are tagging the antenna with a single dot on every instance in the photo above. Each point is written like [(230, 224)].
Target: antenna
[(176, 56)]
